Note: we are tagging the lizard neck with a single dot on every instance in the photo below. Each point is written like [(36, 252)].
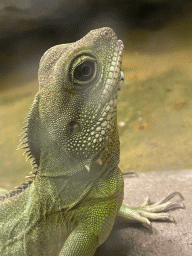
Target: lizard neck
[(65, 181), (56, 161)]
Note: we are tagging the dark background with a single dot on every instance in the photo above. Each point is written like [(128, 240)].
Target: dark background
[(28, 27)]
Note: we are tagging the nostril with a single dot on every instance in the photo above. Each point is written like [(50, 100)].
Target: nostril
[(106, 33)]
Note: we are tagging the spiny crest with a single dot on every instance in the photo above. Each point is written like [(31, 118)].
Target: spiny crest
[(24, 145), (19, 189), (25, 142)]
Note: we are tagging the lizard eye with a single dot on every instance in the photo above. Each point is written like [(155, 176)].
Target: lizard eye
[(83, 70)]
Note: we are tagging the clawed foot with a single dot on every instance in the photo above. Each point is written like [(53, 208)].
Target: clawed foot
[(157, 211)]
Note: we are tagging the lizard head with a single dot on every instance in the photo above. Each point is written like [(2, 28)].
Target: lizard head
[(74, 112)]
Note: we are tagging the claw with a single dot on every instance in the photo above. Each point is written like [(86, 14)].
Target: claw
[(157, 216), (170, 197), (161, 207), (146, 202), (130, 174), (175, 205), (148, 226), (157, 211), (172, 219)]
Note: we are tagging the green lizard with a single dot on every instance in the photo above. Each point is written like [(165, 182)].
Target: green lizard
[(69, 205)]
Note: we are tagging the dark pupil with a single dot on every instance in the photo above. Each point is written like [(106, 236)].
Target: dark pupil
[(84, 71)]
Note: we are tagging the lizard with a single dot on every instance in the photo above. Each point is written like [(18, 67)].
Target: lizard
[(69, 204)]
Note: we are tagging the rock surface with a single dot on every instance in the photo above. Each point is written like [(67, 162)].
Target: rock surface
[(172, 239)]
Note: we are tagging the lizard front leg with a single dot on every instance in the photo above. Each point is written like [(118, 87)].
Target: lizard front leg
[(80, 242), (94, 228), (147, 211)]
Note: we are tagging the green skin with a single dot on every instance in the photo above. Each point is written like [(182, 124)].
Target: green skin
[(71, 204)]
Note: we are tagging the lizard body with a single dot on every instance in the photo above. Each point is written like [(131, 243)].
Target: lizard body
[(70, 205)]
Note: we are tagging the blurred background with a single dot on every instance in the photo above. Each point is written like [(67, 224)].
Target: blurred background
[(154, 107)]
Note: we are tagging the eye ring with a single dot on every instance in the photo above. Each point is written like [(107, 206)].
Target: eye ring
[(83, 70)]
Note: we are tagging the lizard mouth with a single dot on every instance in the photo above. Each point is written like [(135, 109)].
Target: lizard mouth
[(112, 87), (110, 95), (116, 76)]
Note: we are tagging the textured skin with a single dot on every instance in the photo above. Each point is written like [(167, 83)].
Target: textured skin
[(70, 205)]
